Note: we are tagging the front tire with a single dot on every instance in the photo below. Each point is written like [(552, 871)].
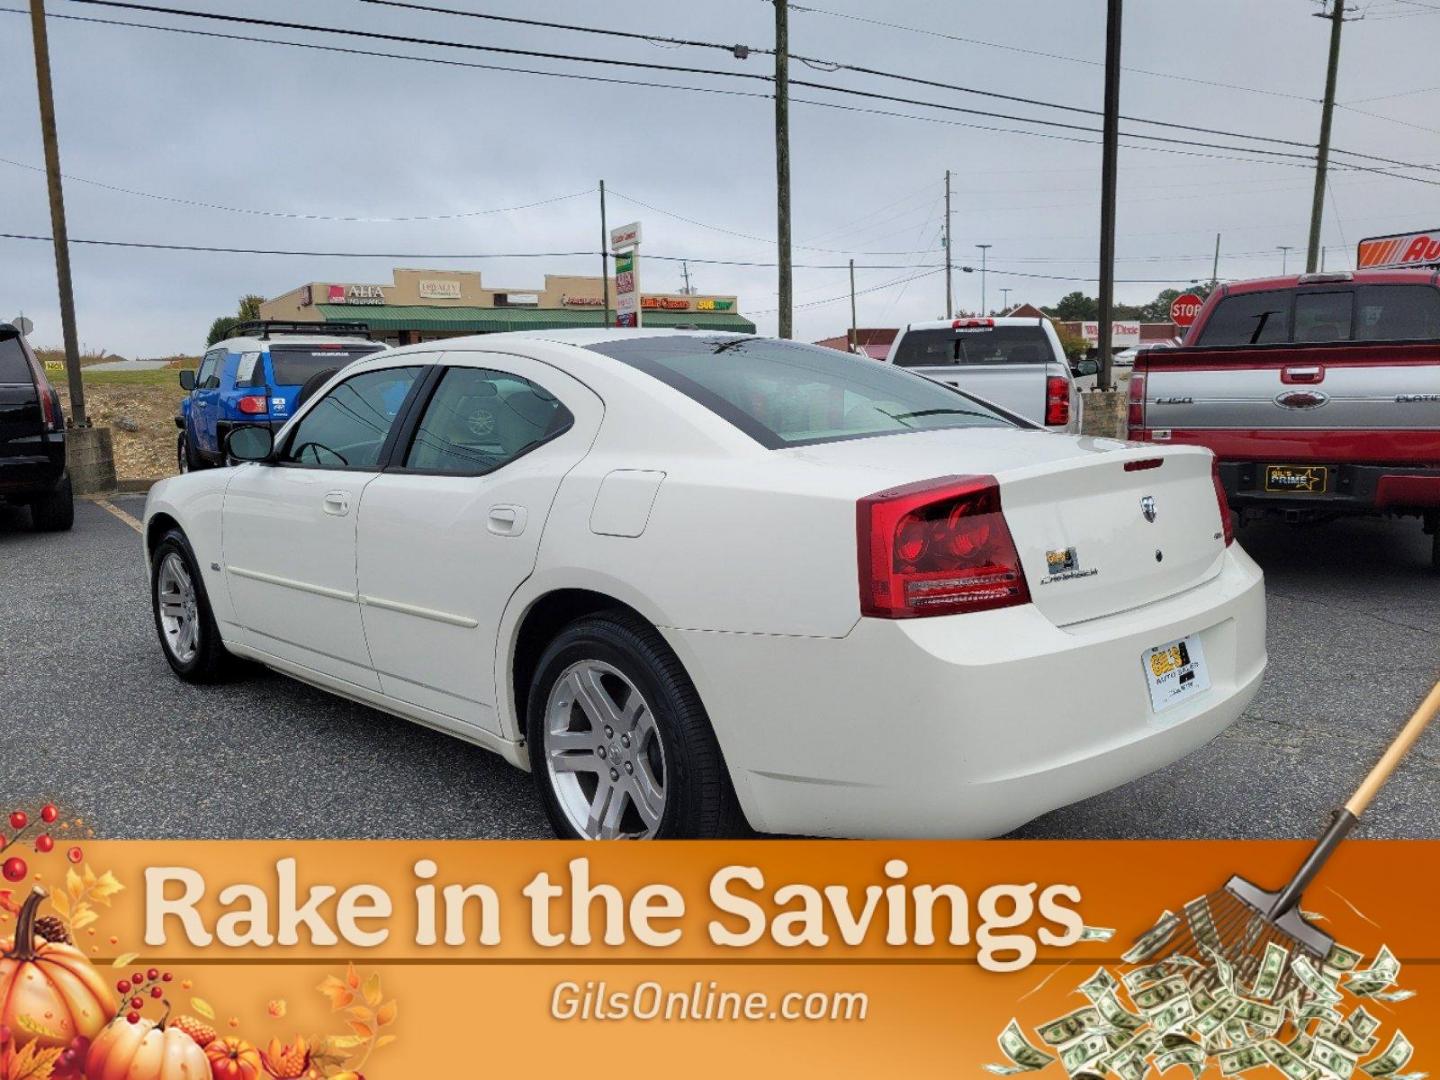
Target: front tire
[(55, 511), (620, 745), (184, 621)]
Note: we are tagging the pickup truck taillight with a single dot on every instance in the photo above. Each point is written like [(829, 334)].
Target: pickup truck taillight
[(937, 547), (1227, 520), (1136, 419), (1057, 401), (253, 404)]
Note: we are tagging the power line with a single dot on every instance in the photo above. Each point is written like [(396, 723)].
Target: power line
[(293, 214)]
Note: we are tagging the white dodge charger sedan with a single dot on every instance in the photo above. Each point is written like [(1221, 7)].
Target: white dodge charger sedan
[(695, 581)]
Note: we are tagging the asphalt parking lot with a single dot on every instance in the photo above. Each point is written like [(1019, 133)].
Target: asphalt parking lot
[(94, 718)]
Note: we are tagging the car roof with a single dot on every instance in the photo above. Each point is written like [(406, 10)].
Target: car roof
[(994, 320), (294, 339), (1338, 277)]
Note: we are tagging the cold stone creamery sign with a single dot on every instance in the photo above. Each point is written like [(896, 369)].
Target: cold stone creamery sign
[(439, 290)]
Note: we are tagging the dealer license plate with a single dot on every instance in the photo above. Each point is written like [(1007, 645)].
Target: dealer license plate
[(1175, 672), (1296, 479)]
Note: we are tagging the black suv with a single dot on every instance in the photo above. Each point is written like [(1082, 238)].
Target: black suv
[(32, 437)]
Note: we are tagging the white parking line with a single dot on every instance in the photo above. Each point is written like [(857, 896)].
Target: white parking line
[(133, 522)]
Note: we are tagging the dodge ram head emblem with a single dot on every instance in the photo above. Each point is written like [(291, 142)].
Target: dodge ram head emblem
[(1301, 399), (1147, 507)]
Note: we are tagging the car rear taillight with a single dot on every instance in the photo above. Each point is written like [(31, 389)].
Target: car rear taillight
[(1136, 418), (937, 547), (49, 399), (1227, 520), (972, 324), (1057, 401), (253, 404)]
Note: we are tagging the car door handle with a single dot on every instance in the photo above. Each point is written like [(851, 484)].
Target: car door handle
[(1302, 375), (337, 503), (506, 520)]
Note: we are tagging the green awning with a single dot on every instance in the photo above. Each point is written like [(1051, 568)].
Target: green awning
[(484, 320)]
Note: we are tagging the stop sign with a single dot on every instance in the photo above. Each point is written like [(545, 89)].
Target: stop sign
[(1184, 308)]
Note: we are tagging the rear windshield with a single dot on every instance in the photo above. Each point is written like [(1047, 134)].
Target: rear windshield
[(784, 394), (294, 364), (979, 345), (14, 365), (1362, 313)]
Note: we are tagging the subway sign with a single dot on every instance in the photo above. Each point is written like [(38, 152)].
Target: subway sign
[(1400, 251)]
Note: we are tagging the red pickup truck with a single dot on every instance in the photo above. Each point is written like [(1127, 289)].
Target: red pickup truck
[(1319, 394)]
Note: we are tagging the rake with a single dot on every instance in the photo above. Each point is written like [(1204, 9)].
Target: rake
[(1239, 921)]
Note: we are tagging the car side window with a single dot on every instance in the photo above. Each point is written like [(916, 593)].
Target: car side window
[(208, 377), (478, 420), (249, 371), (347, 428), (1323, 316), (1260, 318), (1397, 313)]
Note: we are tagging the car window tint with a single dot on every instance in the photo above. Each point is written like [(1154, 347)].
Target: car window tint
[(1324, 316), (1259, 318), (782, 393), (1397, 313), (974, 345), (346, 429), (14, 364), (207, 378), (249, 372), (479, 419), (294, 365)]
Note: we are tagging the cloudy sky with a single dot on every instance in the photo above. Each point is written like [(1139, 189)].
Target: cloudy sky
[(299, 137)]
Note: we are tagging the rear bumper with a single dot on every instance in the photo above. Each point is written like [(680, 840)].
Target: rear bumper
[(970, 725), (1349, 489), (37, 473)]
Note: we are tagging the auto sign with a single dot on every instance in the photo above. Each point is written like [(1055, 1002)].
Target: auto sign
[(1401, 250)]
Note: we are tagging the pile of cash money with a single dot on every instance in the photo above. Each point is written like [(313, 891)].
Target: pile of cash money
[(1196, 1012)]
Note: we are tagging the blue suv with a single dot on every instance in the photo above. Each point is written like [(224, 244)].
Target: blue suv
[(259, 376)]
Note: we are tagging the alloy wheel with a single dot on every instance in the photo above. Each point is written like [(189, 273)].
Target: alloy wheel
[(604, 755), (179, 607)]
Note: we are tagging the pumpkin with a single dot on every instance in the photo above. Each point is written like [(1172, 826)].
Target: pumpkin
[(50, 992), (233, 1059), (145, 1050)]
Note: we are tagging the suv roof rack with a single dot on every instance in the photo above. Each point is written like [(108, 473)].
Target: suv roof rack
[(264, 328)]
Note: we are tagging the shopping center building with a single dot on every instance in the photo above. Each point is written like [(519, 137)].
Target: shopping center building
[(427, 305)]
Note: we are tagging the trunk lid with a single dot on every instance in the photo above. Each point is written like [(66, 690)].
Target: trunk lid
[(1072, 499)]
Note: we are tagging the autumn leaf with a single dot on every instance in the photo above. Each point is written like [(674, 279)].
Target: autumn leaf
[(83, 917), (365, 1031), (105, 887), (386, 1013), (372, 989), (35, 1027), (384, 1040), (203, 1007), (59, 901), (124, 959), (73, 884), (339, 995), (359, 1012), (352, 977), (88, 876), (343, 1042), (33, 1063)]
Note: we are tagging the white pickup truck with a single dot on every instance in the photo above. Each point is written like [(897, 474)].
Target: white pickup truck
[(1015, 363)]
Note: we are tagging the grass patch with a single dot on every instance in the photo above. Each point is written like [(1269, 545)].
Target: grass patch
[(157, 377)]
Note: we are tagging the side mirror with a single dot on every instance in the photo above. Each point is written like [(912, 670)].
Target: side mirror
[(250, 443), (1084, 368), (187, 379)]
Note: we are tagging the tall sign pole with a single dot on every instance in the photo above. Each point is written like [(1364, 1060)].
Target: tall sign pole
[(782, 165), (625, 245), (58, 231), (1322, 155), (604, 257), (1109, 170)]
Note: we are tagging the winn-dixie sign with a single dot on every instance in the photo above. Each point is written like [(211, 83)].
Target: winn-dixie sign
[(1418, 249)]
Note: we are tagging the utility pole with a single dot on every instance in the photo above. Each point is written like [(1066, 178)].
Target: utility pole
[(685, 270), (1109, 170), (949, 292), (782, 164), (604, 256), (58, 231), (1004, 300), (1336, 16), (984, 250), (1215, 267), (854, 327), (1285, 250)]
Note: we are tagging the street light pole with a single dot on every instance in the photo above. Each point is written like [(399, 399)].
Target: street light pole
[(949, 292), (1004, 300), (604, 257), (984, 248), (1285, 250)]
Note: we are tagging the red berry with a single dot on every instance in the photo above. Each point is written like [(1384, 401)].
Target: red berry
[(44, 843), (19, 819), (49, 813), (166, 977), (75, 854), (123, 986), (15, 869), (137, 1003), (133, 1017), (152, 974), (157, 992), (138, 978)]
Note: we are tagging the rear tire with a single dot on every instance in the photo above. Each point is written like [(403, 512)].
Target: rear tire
[(185, 457), (620, 745), (55, 511), (184, 620), (1435, 548)]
